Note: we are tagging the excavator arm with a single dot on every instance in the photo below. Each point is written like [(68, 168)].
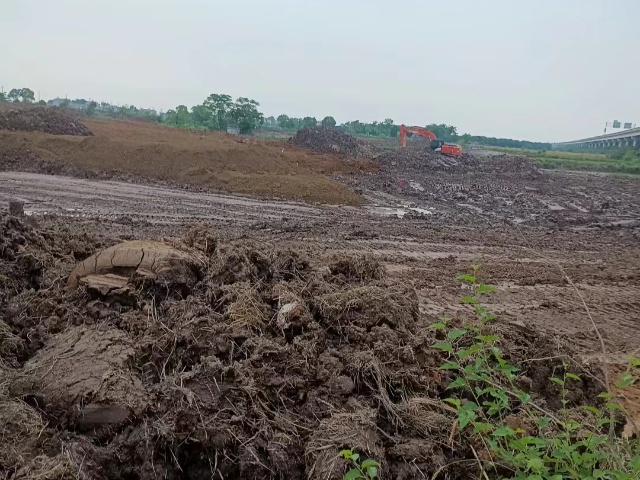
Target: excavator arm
[(437, 145), (415, 130)]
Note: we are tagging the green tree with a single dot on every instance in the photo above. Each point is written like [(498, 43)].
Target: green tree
[(27, 95), (203, 117), (309, 122), (3, 97), (14, 95), (91, 108), (246, 114), (284, 121), (65, 103), (328, 122), (221, 106), (42, 102), (183, 117)]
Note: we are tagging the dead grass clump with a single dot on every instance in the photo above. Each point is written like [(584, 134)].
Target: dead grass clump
[(201, 238), (21, 426), (289, 265), (245, 309), (230, 265), (340, 431), (42, 467), (431, 417), (367, 307), (357, 269)]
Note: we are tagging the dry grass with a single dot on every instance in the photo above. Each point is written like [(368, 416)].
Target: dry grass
[(342, 431), (245, 311)]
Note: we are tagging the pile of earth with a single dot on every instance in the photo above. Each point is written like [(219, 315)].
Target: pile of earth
[(54, 120), (193, 357), (328, 140), (523, 167), (421, 158)]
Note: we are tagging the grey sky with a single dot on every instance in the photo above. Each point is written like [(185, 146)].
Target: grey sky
[(538, 70)]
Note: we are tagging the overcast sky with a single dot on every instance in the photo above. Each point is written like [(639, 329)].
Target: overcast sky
[(540, 70)]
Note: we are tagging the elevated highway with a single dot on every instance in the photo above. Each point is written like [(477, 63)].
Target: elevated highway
[(624, 138)]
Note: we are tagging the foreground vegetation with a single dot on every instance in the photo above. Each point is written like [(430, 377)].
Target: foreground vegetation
[(622, 161), (514, 437)]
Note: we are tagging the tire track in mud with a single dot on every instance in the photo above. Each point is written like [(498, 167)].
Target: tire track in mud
[(66, 196)]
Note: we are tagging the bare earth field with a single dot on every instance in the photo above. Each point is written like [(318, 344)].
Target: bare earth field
[(262, 336)]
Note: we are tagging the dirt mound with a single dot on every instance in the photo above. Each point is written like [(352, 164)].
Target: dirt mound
[(54, 120), (147, 152), (420, 158), (266, 369), (328, 140), (510, 164)]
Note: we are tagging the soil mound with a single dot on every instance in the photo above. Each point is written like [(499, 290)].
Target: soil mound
[(54, 120), (328, 140), (417, 158), (267, 368), (148, 152)]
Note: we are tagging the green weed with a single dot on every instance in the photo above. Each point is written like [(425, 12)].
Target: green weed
[(367, 470), (485, 391)]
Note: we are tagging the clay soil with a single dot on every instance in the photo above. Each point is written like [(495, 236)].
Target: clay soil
[(296, 330), (213, 161)]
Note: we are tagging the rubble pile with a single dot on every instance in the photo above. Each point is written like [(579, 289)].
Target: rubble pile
[(328, 140)]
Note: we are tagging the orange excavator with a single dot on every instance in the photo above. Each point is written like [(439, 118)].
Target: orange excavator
[(436, 145)]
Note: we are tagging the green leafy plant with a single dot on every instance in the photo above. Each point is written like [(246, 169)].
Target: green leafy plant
[(553, 446), (368, 469)]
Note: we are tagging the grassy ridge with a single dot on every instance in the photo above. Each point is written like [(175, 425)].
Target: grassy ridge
[(624, 161)]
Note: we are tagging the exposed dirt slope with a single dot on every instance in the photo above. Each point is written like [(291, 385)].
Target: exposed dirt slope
[(212, 160)]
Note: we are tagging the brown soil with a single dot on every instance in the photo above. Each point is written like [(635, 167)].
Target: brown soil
[(56, 121), (267, 365), (209, 160), (328, 140)]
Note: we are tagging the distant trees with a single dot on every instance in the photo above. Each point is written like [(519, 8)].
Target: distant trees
[(328, 122), (246, 115), (65, 103), (3, 97), (309, 122), (21, 95), (91, 108), (448, 133)]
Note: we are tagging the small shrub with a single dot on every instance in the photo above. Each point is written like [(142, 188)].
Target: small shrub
[(560, 445)]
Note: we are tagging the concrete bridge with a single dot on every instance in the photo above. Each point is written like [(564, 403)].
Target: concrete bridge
[(624, 138)]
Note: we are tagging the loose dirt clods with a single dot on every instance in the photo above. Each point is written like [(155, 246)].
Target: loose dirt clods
[(266, 367)]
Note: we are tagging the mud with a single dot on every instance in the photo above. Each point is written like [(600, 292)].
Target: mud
[(502, 189), (276, 358), (261, 337)]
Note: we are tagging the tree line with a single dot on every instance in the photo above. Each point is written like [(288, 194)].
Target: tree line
[(220, 111)]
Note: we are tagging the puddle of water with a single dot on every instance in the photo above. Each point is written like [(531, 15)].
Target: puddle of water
[(400, 211)]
